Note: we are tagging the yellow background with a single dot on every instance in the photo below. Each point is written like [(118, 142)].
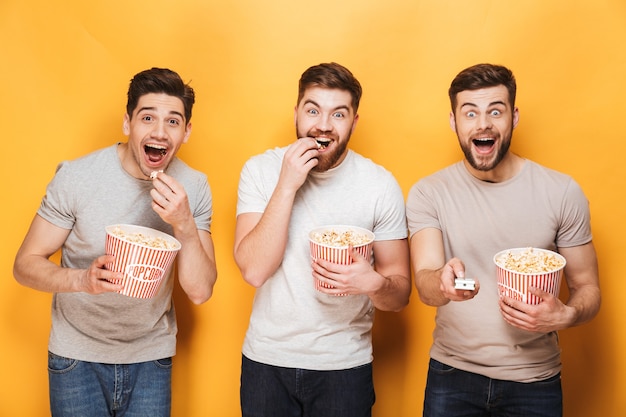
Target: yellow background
[(65, 69)]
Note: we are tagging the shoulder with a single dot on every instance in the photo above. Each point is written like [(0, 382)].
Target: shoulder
[(103, 154), (361, 163), (88, 165), (266, 162), (179, 168), (274, 154), (451, 174), (548, 176)]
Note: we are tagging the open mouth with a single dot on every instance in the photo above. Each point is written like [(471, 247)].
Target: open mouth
[(484, 144), (154, 152), (322, 143)]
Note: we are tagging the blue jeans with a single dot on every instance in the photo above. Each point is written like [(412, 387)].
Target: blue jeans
[(273, 391), (87, 389), (451, 392)]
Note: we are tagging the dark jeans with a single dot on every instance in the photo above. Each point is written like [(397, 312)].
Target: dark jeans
[(90, 389), (451, 392), (271, 391)]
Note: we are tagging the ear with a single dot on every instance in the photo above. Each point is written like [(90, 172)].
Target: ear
[(187, 132), (452, 121), (356, 119), (126, 125), (295, 115), (515, 117)]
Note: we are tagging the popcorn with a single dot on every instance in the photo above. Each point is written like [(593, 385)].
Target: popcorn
[(340, 239), (142, 239), (529, 261)]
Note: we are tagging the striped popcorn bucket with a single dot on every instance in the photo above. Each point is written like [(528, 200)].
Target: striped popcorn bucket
[(516, 285), (143, 262), (338, 254)]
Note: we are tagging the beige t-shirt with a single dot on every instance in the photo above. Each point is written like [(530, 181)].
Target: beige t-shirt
[(539, 208)]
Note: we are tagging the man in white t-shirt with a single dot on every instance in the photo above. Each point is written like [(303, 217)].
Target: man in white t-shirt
[(308, 351), (495, 355)]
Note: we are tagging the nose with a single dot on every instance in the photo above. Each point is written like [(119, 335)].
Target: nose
[(158, 130), (324, 123), (484, 121)]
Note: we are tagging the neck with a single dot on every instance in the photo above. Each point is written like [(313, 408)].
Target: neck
[(509, 167)]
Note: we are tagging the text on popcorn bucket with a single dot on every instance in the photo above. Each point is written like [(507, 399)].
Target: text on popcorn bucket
[(144, 272)]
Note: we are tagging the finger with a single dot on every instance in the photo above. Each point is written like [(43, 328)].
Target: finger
[(355, 254), (309, 142), (539, 292), (158, 198)]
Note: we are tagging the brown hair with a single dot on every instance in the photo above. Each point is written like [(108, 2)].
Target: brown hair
[(331, 75), (482, 76), (159, 80)]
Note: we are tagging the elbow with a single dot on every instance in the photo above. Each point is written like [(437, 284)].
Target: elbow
[(398, 308), (17, 273), (204, 293), (197, 300), (200, 297), (253, 278), (253, 275), (403, 303)]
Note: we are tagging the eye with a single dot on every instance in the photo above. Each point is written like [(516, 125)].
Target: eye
[(147, 118), (495, 113), (312, 112), (471, 114), (339, 115), (174, 122)]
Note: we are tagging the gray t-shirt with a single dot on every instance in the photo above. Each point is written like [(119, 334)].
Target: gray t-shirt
[(86, 195), (539, 208), (292, 324)]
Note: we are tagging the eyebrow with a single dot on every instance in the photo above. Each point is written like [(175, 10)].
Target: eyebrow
[(343, 106), (154, 108), (494, 103)]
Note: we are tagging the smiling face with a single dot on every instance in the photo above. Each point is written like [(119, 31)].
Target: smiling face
[(327, 116), (156, 130), (484, 121)]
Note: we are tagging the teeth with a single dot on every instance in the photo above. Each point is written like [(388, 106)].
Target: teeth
[(161, 148), (321, 144)]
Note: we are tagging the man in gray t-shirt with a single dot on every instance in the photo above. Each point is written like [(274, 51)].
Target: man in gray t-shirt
[(490, 354), (110, 353)]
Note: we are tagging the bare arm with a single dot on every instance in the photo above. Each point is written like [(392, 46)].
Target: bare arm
[(434, 277), (392, 264), (197, 271), (32, 267), (581, 274), (261, 238)]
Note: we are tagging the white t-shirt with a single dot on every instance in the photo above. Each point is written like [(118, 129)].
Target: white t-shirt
[(293, 325)]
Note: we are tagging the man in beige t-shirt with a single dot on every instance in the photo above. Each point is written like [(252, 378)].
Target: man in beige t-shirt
[(493, 354)]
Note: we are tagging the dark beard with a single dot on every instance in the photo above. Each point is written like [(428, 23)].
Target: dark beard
[(500, 154), (327, 161)]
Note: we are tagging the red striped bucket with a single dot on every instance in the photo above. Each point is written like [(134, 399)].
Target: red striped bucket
[(143, 254), (338, 254), (515, 284)]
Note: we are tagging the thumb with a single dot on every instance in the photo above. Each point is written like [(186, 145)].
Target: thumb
[(355, 254)]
